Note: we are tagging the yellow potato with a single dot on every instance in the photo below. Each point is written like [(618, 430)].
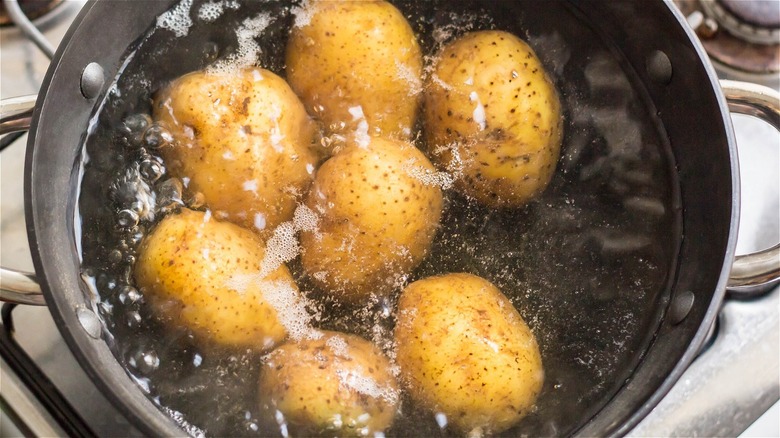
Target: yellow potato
[(378, 213), (493, 118), (464, 351), (354, 62), (242, 139), (205, 274), (339, 384)]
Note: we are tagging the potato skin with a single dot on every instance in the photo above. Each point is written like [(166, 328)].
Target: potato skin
[(315, 381), (357, 54), (465, 351), (377, 219), (243, 139), (184, 269), (493, 117)]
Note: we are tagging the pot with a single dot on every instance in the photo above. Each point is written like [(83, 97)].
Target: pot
[(652, 39)]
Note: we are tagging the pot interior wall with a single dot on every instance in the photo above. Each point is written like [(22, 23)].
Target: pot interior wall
[(621, 123)]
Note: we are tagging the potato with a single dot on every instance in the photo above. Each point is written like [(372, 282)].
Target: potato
[(205, 274), (356, 63), (493, 118), (339, 384), (242, 139), (464, 351), (378, 213)]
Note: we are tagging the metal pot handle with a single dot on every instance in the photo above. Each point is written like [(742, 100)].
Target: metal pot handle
[(15, 286), (756, 272)]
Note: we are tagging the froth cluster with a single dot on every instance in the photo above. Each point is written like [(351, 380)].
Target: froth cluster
[(248, 52), (210, 11)]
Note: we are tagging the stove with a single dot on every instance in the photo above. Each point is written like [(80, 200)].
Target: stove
[(731, 389)]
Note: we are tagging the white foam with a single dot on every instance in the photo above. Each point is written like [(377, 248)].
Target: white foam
[(303, 14), (305, 219), (441, 419), (355, 380), (177, 19), (259, 221), (361, 134), (426, 176), (338, 346), (178, 418), (280, 248), (441, 83), (210, 11), (290, 308), (250, 186), (276, 139), (356, 112), (248, 52), (407, 75), (479, 110)]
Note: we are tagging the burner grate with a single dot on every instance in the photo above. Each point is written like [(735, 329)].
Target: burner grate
[(33, 9), (31, 376)]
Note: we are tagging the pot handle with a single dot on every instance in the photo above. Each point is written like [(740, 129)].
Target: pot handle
[(15, 286), (754, 273)]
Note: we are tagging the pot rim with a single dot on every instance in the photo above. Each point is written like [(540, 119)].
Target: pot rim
[(94, 355)]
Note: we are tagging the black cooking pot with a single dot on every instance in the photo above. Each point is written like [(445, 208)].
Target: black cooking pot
[(652, 40)]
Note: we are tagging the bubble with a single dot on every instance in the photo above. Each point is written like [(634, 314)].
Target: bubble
[(169, 195), (127, 218), (129, 295), (134, 126), (115, 256), (133, 319), (156, 137), (197, 200), (146, 361), (131, 190), (135, 237), (210, 51)]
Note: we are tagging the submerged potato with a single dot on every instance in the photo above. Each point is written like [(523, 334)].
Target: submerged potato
[(356, 63), (465, 351), (242, 139), (339, 384), (204, 274), (493, 118), (378, 213)]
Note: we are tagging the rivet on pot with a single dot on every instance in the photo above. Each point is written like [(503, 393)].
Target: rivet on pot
[(92, 80), (659, 67), (681, 306), (89, 322)]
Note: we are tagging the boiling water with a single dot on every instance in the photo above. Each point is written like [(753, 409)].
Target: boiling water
[(587, 264)]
